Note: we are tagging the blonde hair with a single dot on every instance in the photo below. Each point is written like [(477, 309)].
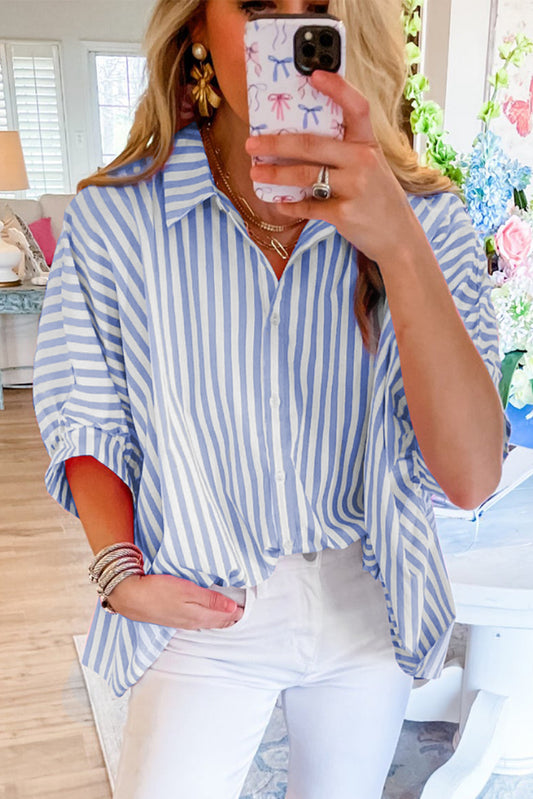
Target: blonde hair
[(376, 65)]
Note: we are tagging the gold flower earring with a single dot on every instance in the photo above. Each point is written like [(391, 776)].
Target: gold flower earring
[(203, 94)]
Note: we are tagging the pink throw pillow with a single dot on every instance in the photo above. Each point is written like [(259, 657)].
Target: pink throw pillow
[(42, 231)]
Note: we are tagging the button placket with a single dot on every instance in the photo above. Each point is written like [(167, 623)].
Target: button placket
[(275, 404)]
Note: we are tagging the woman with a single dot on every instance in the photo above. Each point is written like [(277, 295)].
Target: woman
[(251, 459)]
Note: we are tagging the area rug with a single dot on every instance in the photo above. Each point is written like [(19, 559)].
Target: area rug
[(422, 748)]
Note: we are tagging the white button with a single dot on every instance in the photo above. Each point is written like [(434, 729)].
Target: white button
[(275, 401), (275, 319), (280, 476)]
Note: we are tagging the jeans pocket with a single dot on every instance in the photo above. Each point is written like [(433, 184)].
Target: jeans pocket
[(244, 597)]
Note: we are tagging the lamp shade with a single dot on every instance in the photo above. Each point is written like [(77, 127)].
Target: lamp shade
[(13, 175)]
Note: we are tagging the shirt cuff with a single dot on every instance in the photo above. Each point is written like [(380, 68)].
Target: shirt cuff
[(114, 451)]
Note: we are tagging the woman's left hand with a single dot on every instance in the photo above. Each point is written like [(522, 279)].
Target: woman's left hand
[(368, 205)]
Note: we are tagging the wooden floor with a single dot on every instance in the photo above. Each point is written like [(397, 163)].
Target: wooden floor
[(48, 743)]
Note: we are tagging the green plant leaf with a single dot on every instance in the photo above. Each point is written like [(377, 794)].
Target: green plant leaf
[(414, 25), (489, 111), (490, 245), (520, 199), (410, 6), (427, 118), (509, 364), (415, 86), (500, 79), (413, 53), (505, 50)]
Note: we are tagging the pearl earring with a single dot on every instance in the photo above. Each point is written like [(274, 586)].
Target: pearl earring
[(199, 51), (203, 94)]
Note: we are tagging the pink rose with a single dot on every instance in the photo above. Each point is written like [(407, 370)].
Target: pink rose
[(513, 242)]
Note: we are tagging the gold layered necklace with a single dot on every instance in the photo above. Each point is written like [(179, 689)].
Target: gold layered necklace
[(250, 218)]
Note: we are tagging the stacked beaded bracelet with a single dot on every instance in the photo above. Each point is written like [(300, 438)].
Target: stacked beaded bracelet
[(112, 565)]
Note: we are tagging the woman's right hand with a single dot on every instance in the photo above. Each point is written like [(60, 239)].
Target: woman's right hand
[(173, 602)]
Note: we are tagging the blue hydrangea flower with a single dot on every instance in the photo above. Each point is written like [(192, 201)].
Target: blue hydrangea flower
[(491, 178)]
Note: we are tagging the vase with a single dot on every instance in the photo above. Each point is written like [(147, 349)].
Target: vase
[(10, 257), (521, 428)]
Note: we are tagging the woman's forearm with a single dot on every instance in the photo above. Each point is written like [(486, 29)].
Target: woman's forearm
[(454, 406), (104, 503)]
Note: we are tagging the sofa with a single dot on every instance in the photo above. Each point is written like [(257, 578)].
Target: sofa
[(18, 332), (52, 205)]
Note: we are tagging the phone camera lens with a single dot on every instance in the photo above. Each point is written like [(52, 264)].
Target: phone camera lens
[(325, 61), (326, 39), (308, 50)]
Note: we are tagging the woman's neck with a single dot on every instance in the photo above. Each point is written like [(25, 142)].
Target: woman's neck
[(229, 134)]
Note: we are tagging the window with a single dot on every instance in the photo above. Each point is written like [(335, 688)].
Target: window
[(119, 81), (514, 125), (3, 105), (31, 102)]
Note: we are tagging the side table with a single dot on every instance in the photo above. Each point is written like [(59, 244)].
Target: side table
[(24, 299), (490, 564)]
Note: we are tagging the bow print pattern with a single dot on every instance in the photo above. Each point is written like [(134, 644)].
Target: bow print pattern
[(281, 34), (255, 130), (337, 128), (310, 111), (252, 52), (304, 85), (254, 92), (332, 107), (280, 102), (287, 198), (283, 100), (280, 62)]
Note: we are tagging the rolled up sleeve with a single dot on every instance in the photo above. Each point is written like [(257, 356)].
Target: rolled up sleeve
[(464, 265), (80, 387)]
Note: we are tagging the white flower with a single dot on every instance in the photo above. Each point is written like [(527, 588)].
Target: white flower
[(522, 385), (513, 302)]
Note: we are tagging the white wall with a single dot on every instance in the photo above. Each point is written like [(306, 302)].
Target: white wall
[(436, 19), (70, 22), (456, 51)]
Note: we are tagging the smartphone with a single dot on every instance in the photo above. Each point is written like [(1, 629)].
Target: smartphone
[(282, 51)]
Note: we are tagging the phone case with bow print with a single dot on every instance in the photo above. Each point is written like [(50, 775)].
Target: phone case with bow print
[(280, 97)]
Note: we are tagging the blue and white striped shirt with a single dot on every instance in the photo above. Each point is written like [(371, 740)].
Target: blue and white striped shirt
[(243, 412)]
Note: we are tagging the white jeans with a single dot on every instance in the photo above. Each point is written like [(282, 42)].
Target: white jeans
[(316, 631)]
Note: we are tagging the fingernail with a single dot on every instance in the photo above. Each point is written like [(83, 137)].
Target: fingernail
[(252, 144), (230, 606)]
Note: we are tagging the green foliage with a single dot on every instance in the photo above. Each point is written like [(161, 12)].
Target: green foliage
[(514, 307), (416, 86), (413, 53), (512, 52), (427, 117), (520, 199), (489, 111), (509, 364)]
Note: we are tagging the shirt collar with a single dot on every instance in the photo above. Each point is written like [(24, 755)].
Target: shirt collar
[(187, 179), (188, 182)]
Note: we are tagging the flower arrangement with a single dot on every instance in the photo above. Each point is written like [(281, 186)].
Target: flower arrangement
[(493, 186)]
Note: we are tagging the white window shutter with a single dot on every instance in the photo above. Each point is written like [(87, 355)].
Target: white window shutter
[(3, 104), (39, 115)]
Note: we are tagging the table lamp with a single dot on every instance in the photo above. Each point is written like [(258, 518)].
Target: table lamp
[(13, 177)]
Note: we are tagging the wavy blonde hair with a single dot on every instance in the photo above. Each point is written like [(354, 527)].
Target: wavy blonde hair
[(376, 65)]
